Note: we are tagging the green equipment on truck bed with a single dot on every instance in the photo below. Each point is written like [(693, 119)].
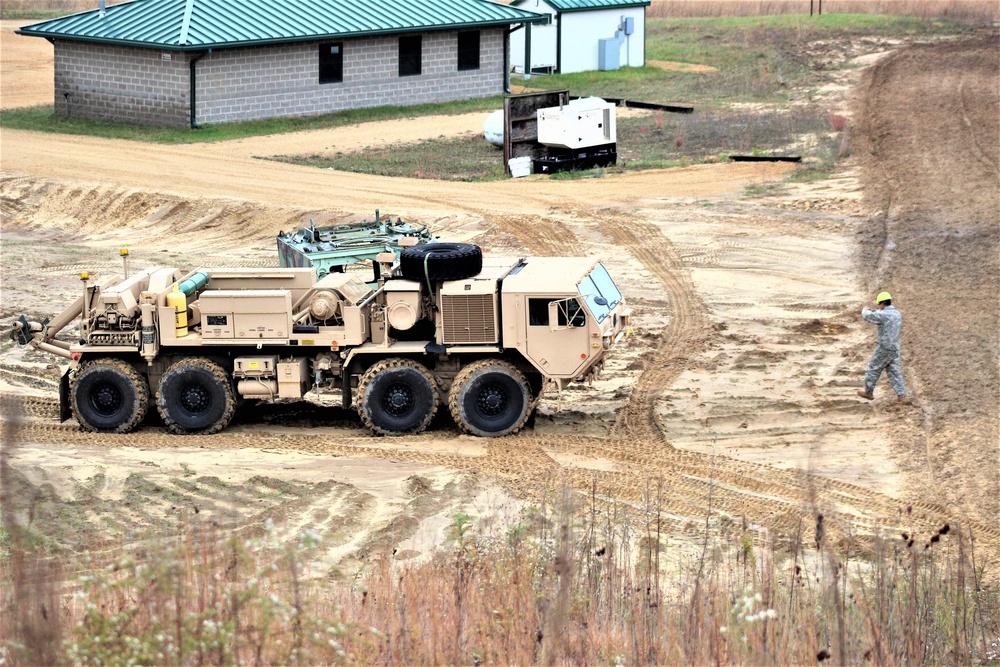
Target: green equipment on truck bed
[(332, 249)]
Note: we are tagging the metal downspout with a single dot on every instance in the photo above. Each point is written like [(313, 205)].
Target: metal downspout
[(527, 51), (559, 42), (506, 63), (506, 56), (194, 85), (643, 36)]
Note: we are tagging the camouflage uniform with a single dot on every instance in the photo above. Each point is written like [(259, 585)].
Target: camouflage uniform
[(886, 355)]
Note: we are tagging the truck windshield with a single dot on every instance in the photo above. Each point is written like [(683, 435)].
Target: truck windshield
[(598, 283)]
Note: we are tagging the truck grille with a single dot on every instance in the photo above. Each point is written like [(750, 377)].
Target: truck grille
[(469, 319)]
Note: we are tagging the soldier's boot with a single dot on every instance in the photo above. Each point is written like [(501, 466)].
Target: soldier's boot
[(903, 399), (863, 393)]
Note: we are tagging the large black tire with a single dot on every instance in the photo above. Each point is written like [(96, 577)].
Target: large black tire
[(490, 398), (109, 396), (195, 396), (397, 397), (444, 261)]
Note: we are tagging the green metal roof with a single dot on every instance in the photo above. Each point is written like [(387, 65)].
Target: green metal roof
[(187, 25), (586, 5)]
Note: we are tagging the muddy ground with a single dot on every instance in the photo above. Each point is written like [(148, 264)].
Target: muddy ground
[(737, 389)]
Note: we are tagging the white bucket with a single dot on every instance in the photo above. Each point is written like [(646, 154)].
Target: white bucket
[(519, 166)]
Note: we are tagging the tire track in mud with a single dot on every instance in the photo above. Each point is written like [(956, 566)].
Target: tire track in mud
[(685, 335), (750, 489), (974, 137), (766, 497), (24, 377), (542, 236)]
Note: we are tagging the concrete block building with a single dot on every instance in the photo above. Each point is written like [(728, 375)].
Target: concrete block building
[(181, 62), (581, 35)]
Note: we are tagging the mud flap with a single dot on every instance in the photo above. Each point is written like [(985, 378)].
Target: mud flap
[(64, 410), (345, 389)]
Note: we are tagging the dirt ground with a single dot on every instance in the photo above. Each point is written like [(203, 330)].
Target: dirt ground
[(27, 68), (736, 391), (930, 148)]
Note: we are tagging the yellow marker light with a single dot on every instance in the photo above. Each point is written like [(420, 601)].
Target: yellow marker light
[(84, 275), (597, 344), (124, 252)]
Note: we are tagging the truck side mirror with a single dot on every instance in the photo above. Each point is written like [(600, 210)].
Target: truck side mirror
[(554, 317)]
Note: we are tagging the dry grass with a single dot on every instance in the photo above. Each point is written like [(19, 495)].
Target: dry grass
[(578, 581), (66, 6), (978, 11), (30, 10), (966, 10)]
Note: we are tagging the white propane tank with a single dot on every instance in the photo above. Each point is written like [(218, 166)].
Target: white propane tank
[(493, 128)]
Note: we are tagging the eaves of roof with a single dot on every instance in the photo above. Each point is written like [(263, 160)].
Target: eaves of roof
[(568, 6), (195, 25)]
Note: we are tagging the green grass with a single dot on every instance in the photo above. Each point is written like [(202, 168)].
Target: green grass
[(707, 136), (465, 158), (759, 59), (653, 141), (42, 119)]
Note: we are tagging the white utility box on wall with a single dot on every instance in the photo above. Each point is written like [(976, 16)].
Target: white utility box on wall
[(579, 124)]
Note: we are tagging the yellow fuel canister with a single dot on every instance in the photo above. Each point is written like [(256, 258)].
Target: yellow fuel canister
[(178, 301)]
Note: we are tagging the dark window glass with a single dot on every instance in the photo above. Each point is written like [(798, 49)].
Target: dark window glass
[(571, 314), (538, 312), (569, 310), (331, 62), (409, 55), (468, 50)]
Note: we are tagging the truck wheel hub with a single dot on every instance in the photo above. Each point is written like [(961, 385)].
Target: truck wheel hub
[(398, 400), (106, 398), (195, 398), (492, 401)]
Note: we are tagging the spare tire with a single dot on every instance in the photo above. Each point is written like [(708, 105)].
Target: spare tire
[(441, 261)]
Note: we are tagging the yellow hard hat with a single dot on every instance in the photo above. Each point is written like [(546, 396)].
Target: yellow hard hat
[(883, 296)]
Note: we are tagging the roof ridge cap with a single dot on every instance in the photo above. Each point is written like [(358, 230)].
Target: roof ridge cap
[(182, 39)]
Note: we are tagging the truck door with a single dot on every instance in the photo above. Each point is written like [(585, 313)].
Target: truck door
[(558, 336)]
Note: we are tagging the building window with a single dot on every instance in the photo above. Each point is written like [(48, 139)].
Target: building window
[(331, 62), (409, 55), (468, 50)]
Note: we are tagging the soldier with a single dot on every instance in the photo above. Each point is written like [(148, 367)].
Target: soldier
[(886, 355)]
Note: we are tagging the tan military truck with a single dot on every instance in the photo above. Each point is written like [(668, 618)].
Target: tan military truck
[(443, 325)]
